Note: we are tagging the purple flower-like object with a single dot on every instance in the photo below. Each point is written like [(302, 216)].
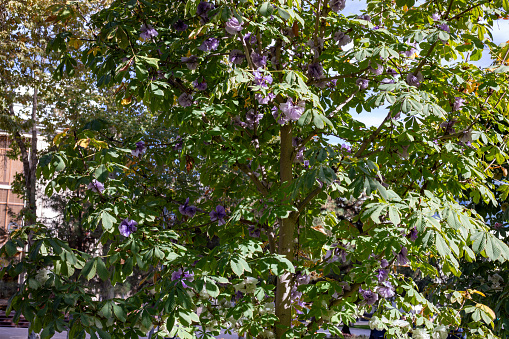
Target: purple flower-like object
[(414, 79), (233, 26), (382, 274), (386, 290), (191, 62), (262, 80), (210, 44), (299, 157), (218, 215), (291, 111), (444, 27), (280, 118), (458, 103), (178, 144), (259, 61), (449, 126), (342, 38), (369, 296), (187, 210), (199, 86), (254, 232), (203, 9), (263, 100), (346, 147), (388, 81), (139, 150), (497, 225), (302, 279), (253, 118), (127, 227), (378, 70), (315, 70), (362, 83), (402, 257), (337, 5), (413, 234), (384, 263), (410, 52), (96, 186), (181, 276), (185, 100), (392, 71), (236, 56), (238, 122), (147, 32), (436, 16), (180, 26), (250, 38)]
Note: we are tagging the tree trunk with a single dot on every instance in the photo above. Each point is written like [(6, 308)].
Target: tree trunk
[(29, 159), (286, 237)]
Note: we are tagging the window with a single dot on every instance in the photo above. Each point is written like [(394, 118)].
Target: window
[(10, 204)]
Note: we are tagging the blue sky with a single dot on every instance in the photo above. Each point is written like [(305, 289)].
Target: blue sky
[(375, 117)]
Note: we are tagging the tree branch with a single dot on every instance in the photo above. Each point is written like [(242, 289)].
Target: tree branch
[(467, 10), (371, 137), (309, 197), (259, 185)]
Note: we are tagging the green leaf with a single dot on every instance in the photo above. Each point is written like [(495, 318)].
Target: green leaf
[(89, 269), (101, 173), (266, 9), (33, 284), (102, 271), (10, 248), (122, 39), (502, 68), (284, 14), (394, 215), (479, 242), (153, 62), (103, 334), (211, 288), (119, 312), (105, 311), (107, 221), (318, 121), (442, 247), (239, 265), (505, 4)]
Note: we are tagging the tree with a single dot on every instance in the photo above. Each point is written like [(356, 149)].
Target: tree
[(255, 89)]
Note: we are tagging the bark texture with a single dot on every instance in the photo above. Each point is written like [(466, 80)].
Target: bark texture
[(286, 237)]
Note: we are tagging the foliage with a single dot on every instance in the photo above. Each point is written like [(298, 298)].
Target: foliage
[(255, 89)]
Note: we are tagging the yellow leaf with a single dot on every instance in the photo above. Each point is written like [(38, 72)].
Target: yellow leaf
[(83, 143), (475, 291), (471, 86), (58, 138), (126, 101), (487, 310), (405, 8), (73, 42), (99, 144), (94, 50)]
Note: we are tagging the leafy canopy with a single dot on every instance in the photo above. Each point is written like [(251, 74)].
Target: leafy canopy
[(255, 89)]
